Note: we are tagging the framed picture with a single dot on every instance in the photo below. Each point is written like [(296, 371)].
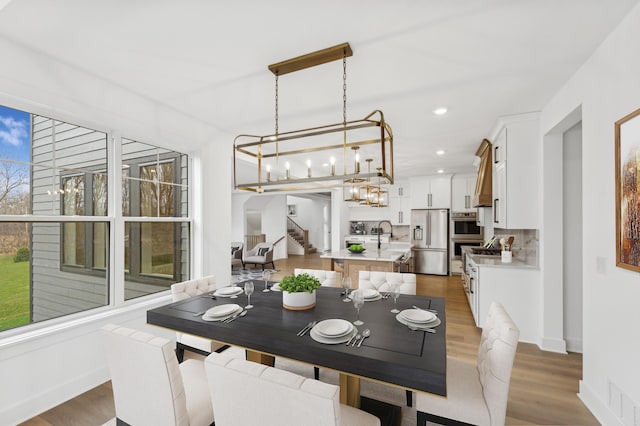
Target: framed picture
[(291, 209), (627, 141)]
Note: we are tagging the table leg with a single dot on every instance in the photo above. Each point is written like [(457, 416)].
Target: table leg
[(260, 358), (349, 390)]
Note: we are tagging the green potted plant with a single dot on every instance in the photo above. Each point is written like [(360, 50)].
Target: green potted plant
[(299, 291)]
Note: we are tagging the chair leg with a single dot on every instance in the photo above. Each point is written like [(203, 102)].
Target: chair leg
[(409, 398), (179, 352), (316, 373)]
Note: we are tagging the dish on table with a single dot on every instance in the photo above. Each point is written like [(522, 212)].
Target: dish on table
[(432, 324), (418, 316), (369, 294), (331, 340), (333, 328), (222, 310), (228, 291), (237, 309), (276, 287)]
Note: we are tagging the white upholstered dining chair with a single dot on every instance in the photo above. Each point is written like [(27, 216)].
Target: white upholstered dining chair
[(384, 282), (326, 278), (149, 386), (477, 394), (197, 344), (246, 393)]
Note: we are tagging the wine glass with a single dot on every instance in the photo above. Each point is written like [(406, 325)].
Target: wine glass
[(346, 284), (266, 276), (235, 279), (395, 292), (248, 290), (358, 302)]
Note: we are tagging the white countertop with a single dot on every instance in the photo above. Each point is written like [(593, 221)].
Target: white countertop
[(496, 261), (389, 252)]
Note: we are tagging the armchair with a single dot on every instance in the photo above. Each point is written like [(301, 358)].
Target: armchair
[(261, 254), (237, 249)]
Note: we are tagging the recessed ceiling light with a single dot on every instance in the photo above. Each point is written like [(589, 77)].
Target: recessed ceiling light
[(440, 111), (440, 152), (441, 171)]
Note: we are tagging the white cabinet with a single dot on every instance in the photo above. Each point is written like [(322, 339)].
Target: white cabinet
[(431, 192), (515, 172), (399, 203), (462, 190)]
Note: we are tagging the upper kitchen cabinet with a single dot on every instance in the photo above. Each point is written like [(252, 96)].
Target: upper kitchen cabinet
[(515, 165), (400, 203), (462, 191), (431, 192)]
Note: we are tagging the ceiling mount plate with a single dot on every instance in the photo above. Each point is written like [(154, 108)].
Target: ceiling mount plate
[(312, 59)]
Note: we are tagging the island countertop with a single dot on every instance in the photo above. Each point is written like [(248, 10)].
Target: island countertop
[(388, 253)]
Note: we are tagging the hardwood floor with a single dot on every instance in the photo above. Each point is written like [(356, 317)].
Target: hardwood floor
[(543, 384)]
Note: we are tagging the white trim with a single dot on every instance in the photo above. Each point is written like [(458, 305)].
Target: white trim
[(553, 345), (598, 408)]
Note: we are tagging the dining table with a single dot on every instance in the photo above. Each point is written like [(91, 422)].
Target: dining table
[(392, 354)]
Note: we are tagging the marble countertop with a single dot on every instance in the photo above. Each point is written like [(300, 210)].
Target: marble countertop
[(389, 252), (517, 262)]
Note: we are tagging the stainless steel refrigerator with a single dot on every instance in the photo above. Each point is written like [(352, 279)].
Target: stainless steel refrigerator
[(430, 241)]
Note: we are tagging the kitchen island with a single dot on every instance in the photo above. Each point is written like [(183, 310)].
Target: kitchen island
[(386, 259)]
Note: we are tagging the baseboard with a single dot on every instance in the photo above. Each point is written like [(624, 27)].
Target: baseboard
[(52, 397), (553, 345), (574, 344), (598, 407)]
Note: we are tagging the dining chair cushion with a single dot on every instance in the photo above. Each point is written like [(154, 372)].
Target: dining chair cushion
[(149, 385), (244, 392), (326, 278), (185, 290), (464, 401), (384, 281)]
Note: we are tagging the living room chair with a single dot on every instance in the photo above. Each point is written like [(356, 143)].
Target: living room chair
[(384, 282), (261, 254), (149, 386), (477, 394), (196, 344), (246, 393), (237, 250)]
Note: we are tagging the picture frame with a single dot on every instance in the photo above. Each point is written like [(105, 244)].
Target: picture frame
[(627, 175), (291, 210)]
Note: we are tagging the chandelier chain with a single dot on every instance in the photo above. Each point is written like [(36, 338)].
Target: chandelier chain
[(344, 90), (276, 130)]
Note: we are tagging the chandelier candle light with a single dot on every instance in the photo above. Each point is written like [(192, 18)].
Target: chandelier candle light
[(370, 137)]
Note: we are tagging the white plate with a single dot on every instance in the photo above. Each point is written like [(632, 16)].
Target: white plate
[(332, 341), (222, 310), (276, 287), (433, 324), (418, 315), (228, 291), (369, 293), (333, 328), (378, 297), (206, 317)]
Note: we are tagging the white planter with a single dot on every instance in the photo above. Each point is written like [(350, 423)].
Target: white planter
[(298, 301)]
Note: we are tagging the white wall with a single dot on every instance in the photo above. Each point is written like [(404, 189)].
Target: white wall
[(607, 88), (51, 365), (572, 236)]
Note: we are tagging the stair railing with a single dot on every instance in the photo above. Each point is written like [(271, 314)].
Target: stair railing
[(294, 228)]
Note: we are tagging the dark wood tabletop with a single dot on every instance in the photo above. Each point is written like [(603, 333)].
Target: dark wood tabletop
[(393, 354)]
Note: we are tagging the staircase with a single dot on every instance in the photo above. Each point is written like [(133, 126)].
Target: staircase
[(298, 239)]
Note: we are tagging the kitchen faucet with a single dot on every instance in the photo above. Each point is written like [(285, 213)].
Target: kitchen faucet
[(390, 232)]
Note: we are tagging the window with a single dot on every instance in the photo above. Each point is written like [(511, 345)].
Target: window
[(54, 217)]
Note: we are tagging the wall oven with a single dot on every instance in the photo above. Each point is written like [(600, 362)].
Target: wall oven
[(464, 225)]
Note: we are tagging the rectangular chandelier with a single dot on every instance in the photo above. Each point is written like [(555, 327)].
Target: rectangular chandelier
[(316, 157)]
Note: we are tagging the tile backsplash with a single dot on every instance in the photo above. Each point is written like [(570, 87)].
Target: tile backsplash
[(525, 243)]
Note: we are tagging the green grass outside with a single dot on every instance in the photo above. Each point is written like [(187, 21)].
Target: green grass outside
[(14, 293)]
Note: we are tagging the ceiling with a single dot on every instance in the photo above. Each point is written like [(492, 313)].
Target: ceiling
[(208, 60)]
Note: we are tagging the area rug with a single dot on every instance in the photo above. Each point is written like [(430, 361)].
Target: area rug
[(251, 274)]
